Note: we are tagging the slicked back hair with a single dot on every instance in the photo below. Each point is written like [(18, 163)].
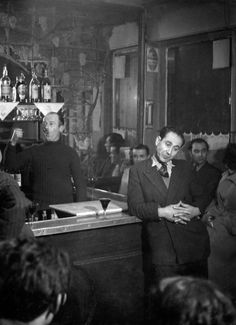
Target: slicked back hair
[(167, 129)]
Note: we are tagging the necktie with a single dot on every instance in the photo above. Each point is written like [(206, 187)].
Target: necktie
[(163, 170)]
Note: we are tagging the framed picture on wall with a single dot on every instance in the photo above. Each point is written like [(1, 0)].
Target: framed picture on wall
[(152, 59), (149, 113)]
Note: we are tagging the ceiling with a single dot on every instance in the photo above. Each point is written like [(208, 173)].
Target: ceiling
[(147, 3), (113, 12), (94, 12), (134, 3)]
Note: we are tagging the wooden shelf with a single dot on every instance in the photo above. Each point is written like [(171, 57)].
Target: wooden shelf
[(19, 121), (6, 108)]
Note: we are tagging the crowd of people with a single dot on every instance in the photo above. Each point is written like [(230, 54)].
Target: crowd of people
[(187, 209), (35, 281)]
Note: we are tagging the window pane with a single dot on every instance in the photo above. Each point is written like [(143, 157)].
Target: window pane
[(198, 95), (125, 76)]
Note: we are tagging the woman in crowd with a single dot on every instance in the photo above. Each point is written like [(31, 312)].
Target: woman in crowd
[(221, 219), (108, 170), (104, 167)]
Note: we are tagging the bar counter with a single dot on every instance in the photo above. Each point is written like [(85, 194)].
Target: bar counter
[(89, 216), (108, 248)]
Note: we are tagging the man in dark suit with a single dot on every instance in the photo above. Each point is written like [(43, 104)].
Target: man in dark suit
[(175, 241), (205, 177)]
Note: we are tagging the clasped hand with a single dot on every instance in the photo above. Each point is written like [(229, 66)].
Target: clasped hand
[(180, 213)]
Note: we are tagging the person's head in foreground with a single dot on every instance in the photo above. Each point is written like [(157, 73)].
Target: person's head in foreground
[(168, 143), (34, 280), (193, 301)]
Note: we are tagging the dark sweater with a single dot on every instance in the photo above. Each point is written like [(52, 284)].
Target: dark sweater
[(52, 167), (204, 184)]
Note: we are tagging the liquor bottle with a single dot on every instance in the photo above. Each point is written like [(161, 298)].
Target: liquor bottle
[(14, 92), (34, 88), (17, 177), (44, 215), (21, 89), (46, 88), (5, 85)]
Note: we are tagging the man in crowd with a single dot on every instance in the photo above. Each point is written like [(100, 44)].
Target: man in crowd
[(108, 169), (175, 241), (34, 280), (138, 153), (205, 177), (54, 167)]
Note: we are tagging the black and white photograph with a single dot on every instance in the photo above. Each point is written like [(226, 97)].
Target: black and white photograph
[(117, 162)]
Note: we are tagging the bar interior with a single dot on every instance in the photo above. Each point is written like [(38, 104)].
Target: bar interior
[(116, 72)]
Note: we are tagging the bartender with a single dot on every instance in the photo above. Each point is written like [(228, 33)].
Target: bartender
[(55, 175)]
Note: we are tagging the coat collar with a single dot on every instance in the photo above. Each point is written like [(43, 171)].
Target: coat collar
[(156, 180), (157, 164), (167, 194), (231, 177)]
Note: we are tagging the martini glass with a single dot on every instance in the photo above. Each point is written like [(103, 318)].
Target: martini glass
[(104, 202), (32, 214)]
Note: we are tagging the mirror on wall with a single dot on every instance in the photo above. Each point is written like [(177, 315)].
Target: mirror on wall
[(198, 93), (125, 82)]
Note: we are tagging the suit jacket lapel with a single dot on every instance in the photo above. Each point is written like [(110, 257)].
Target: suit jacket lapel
[(175, 182), (155, 179)]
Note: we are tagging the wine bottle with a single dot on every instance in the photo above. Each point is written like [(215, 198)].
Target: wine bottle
[(46, 88), (17, 177), (34, 88), (14, 91), (21, 89), (5, 85)]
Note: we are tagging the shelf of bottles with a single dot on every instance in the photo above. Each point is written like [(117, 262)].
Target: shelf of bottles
[(31, 102)]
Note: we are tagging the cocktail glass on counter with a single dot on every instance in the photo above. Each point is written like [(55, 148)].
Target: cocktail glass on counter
[(104, 202)]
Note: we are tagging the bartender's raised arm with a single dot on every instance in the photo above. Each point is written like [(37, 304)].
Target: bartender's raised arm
[(14, 158), (16, 135)]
